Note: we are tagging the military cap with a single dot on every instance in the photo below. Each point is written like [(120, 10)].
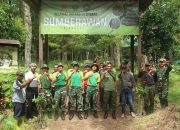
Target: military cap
[(60, 65), (87, 65), (75, 64), (44, 66)]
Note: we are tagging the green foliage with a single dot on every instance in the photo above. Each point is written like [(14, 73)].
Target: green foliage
[(11, 25), (174, 90), (160, 24), (8, 123), (140, 89), (40, 100), (176, 69), (7, 82)]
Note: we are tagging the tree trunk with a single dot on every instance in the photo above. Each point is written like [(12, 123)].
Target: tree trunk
[(116, 54), (87, 55), (64, 56), (28, 26), (139, 52), (72, 55), (112, 52), (46, 49), (132, 53)]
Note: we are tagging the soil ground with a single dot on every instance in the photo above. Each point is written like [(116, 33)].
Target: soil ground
[(162, 119)]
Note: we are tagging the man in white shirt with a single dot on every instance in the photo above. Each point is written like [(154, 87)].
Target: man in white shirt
[(31, 91)]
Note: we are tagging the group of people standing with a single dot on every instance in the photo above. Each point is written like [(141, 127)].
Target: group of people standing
[(155, 80), (78, 91)]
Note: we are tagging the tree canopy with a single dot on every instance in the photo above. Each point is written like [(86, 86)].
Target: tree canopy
[(11, 24), (159, 24)]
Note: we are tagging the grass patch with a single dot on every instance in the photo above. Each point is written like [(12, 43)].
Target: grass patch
[(174, 88), (141, 123)]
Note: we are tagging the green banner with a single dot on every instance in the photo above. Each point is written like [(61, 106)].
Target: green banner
[(78, 17)]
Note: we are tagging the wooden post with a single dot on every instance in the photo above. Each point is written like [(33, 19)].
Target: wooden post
[(132, 53), (46, 49), (40, 40), (139, 51), (40, 50)]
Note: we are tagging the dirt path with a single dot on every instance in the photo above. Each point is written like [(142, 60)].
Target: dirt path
[(93, 124), (162, 119)]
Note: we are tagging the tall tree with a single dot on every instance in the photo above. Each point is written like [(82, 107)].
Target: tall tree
[(28, 27), (160, 25)]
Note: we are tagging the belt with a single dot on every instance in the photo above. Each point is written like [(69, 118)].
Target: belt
[(92, 86), (59, 85)]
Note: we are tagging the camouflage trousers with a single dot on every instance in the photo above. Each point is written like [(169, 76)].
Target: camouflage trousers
[(48, 105), (91, 95), (76, 99), (149, 94), (163, 94), (60, 99)]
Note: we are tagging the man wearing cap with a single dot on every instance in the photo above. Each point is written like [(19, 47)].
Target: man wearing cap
[(45, 85), (18, 98), (149, 80), (69, 84), (75, 93), (101, 90), (127, 85), (87, 68), (54, 74), (109, 79), (31, 91), (163, 81), (60, 93), (92, 90)]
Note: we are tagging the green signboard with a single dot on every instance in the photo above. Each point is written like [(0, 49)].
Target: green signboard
[(75, 17)]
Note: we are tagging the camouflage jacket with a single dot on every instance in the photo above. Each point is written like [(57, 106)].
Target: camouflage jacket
[(163, 74)]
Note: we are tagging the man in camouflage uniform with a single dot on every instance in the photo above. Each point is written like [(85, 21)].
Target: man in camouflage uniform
[(45, 85), (87, 68), (53, 75), (60, 93), (149, 80), (101, 91), (109, 79), (75, 93), (92, 90), (163, 81)]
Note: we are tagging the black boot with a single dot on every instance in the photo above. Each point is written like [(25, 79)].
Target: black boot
[(95, 114), (56, 115), (105, 115), (162, 103), (85, 115), (49, 114), (80, 115), (165, 103), (62, 116), (114, 114), (71, 115)]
